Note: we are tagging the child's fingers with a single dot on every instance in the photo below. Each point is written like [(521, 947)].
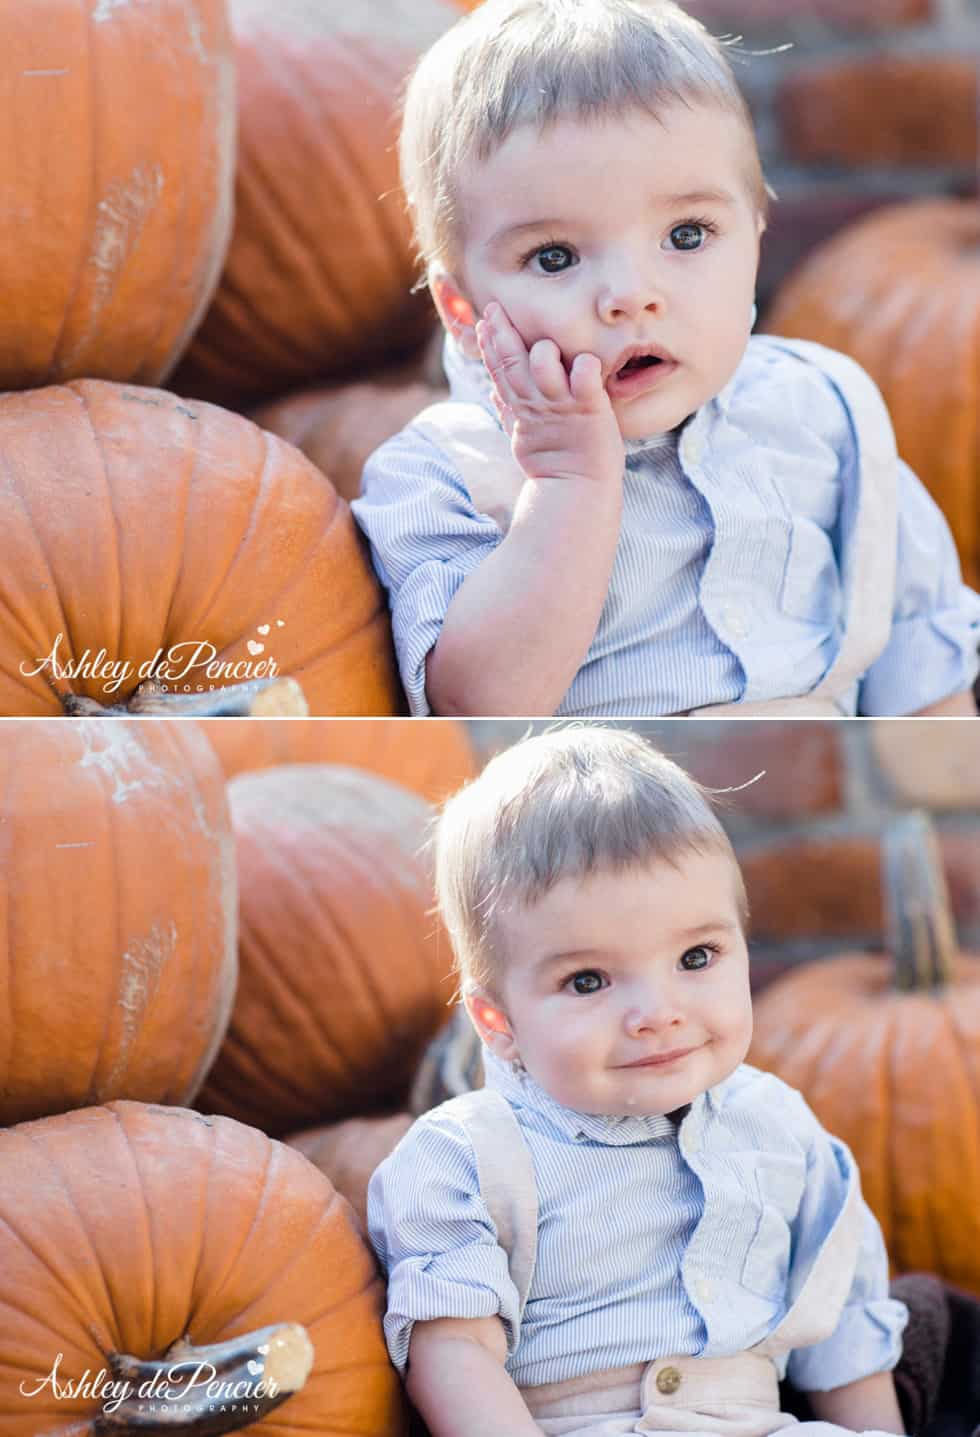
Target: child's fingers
[(504, 412), (585, 378), (504, 354), (547, 370)]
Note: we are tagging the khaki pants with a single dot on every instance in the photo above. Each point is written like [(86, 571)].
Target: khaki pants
[(701, 1396)]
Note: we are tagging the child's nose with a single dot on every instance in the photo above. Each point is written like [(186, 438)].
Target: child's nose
[(629, 292), (650, 1012)]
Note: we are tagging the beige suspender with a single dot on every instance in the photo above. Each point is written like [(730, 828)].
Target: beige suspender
[(506, 1176)]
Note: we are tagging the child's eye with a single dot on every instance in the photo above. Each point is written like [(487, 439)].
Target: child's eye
[(691, 235), (697, 958), (587, 981), (553, 258)]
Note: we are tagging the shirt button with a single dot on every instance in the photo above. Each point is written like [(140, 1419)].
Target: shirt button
[(668, 1380)]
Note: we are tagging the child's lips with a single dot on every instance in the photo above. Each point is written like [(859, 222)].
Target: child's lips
[(639, 379), (656, 1060)]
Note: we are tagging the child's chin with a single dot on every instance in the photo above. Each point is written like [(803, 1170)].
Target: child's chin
[(647, 421)]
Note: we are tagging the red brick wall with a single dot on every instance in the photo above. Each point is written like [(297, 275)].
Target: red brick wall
[(875, 101)]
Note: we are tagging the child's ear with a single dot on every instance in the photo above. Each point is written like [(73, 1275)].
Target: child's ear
[(455, 311), (492, 1024)]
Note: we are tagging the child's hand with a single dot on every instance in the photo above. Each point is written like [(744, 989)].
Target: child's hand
[(561, 426)]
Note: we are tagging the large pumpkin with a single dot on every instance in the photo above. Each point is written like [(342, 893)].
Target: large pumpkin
[(117, 136), (887, 1052), (125, 1229), (900, 292), (432, 759), (117, 913), (320, 269), (345, 969), (144, 534)]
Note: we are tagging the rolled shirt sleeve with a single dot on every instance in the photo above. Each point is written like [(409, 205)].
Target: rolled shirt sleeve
[(868, 1337), (434, 1237), (932, 649), (426, 538)]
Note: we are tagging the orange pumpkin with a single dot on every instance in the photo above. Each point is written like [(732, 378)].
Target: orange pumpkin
[(320, 269), (339, 426), (347, 1153), (900, 292), (887, 1052), (432, 759), (144, 534), (345, 970), (117, 883), (117, 126), (125, 1228)]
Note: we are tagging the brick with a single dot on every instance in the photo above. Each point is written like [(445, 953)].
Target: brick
[(852, 15), (803, 765), (882, 110), (930, 762), (804, 887), (831, 886)]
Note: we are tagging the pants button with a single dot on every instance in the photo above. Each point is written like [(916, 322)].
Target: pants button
[(668, 1380)]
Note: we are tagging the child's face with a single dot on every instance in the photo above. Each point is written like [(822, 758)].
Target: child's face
[(625, 993), (635, 231)]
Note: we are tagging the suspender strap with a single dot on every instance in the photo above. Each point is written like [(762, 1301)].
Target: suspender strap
[(506, 1176), (818, 1295)]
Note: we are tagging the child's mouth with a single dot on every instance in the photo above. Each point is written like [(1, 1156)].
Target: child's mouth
[(639, 361), (639, 374)]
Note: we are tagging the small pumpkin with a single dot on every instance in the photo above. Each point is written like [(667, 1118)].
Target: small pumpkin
[(133, 1237), (319, 275), (145, 536), (431, 759), (117, 132), (887, 1052), (345, 970), (347, 1153), (117, 913), (899, 291), (339, 426)]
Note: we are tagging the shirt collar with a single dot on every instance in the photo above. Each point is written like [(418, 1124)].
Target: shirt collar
[(521, 1090)]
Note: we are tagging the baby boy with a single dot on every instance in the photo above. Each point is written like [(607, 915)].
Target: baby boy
[(629, 1230), (628, 506)]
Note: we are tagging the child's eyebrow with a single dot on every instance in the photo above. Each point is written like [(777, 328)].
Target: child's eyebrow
[(699, 197), (573, 955), (694, 197)]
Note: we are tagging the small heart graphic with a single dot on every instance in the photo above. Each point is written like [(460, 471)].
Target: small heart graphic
[(280, 623), (255, 1368), (255, 648), (262, 629)]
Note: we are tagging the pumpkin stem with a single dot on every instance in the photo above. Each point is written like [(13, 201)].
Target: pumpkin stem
[(918, 921), (206, 1391), (259, 698)]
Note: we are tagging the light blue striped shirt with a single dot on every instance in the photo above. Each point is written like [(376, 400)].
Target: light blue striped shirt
[(726, 583), (654, 1239)]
